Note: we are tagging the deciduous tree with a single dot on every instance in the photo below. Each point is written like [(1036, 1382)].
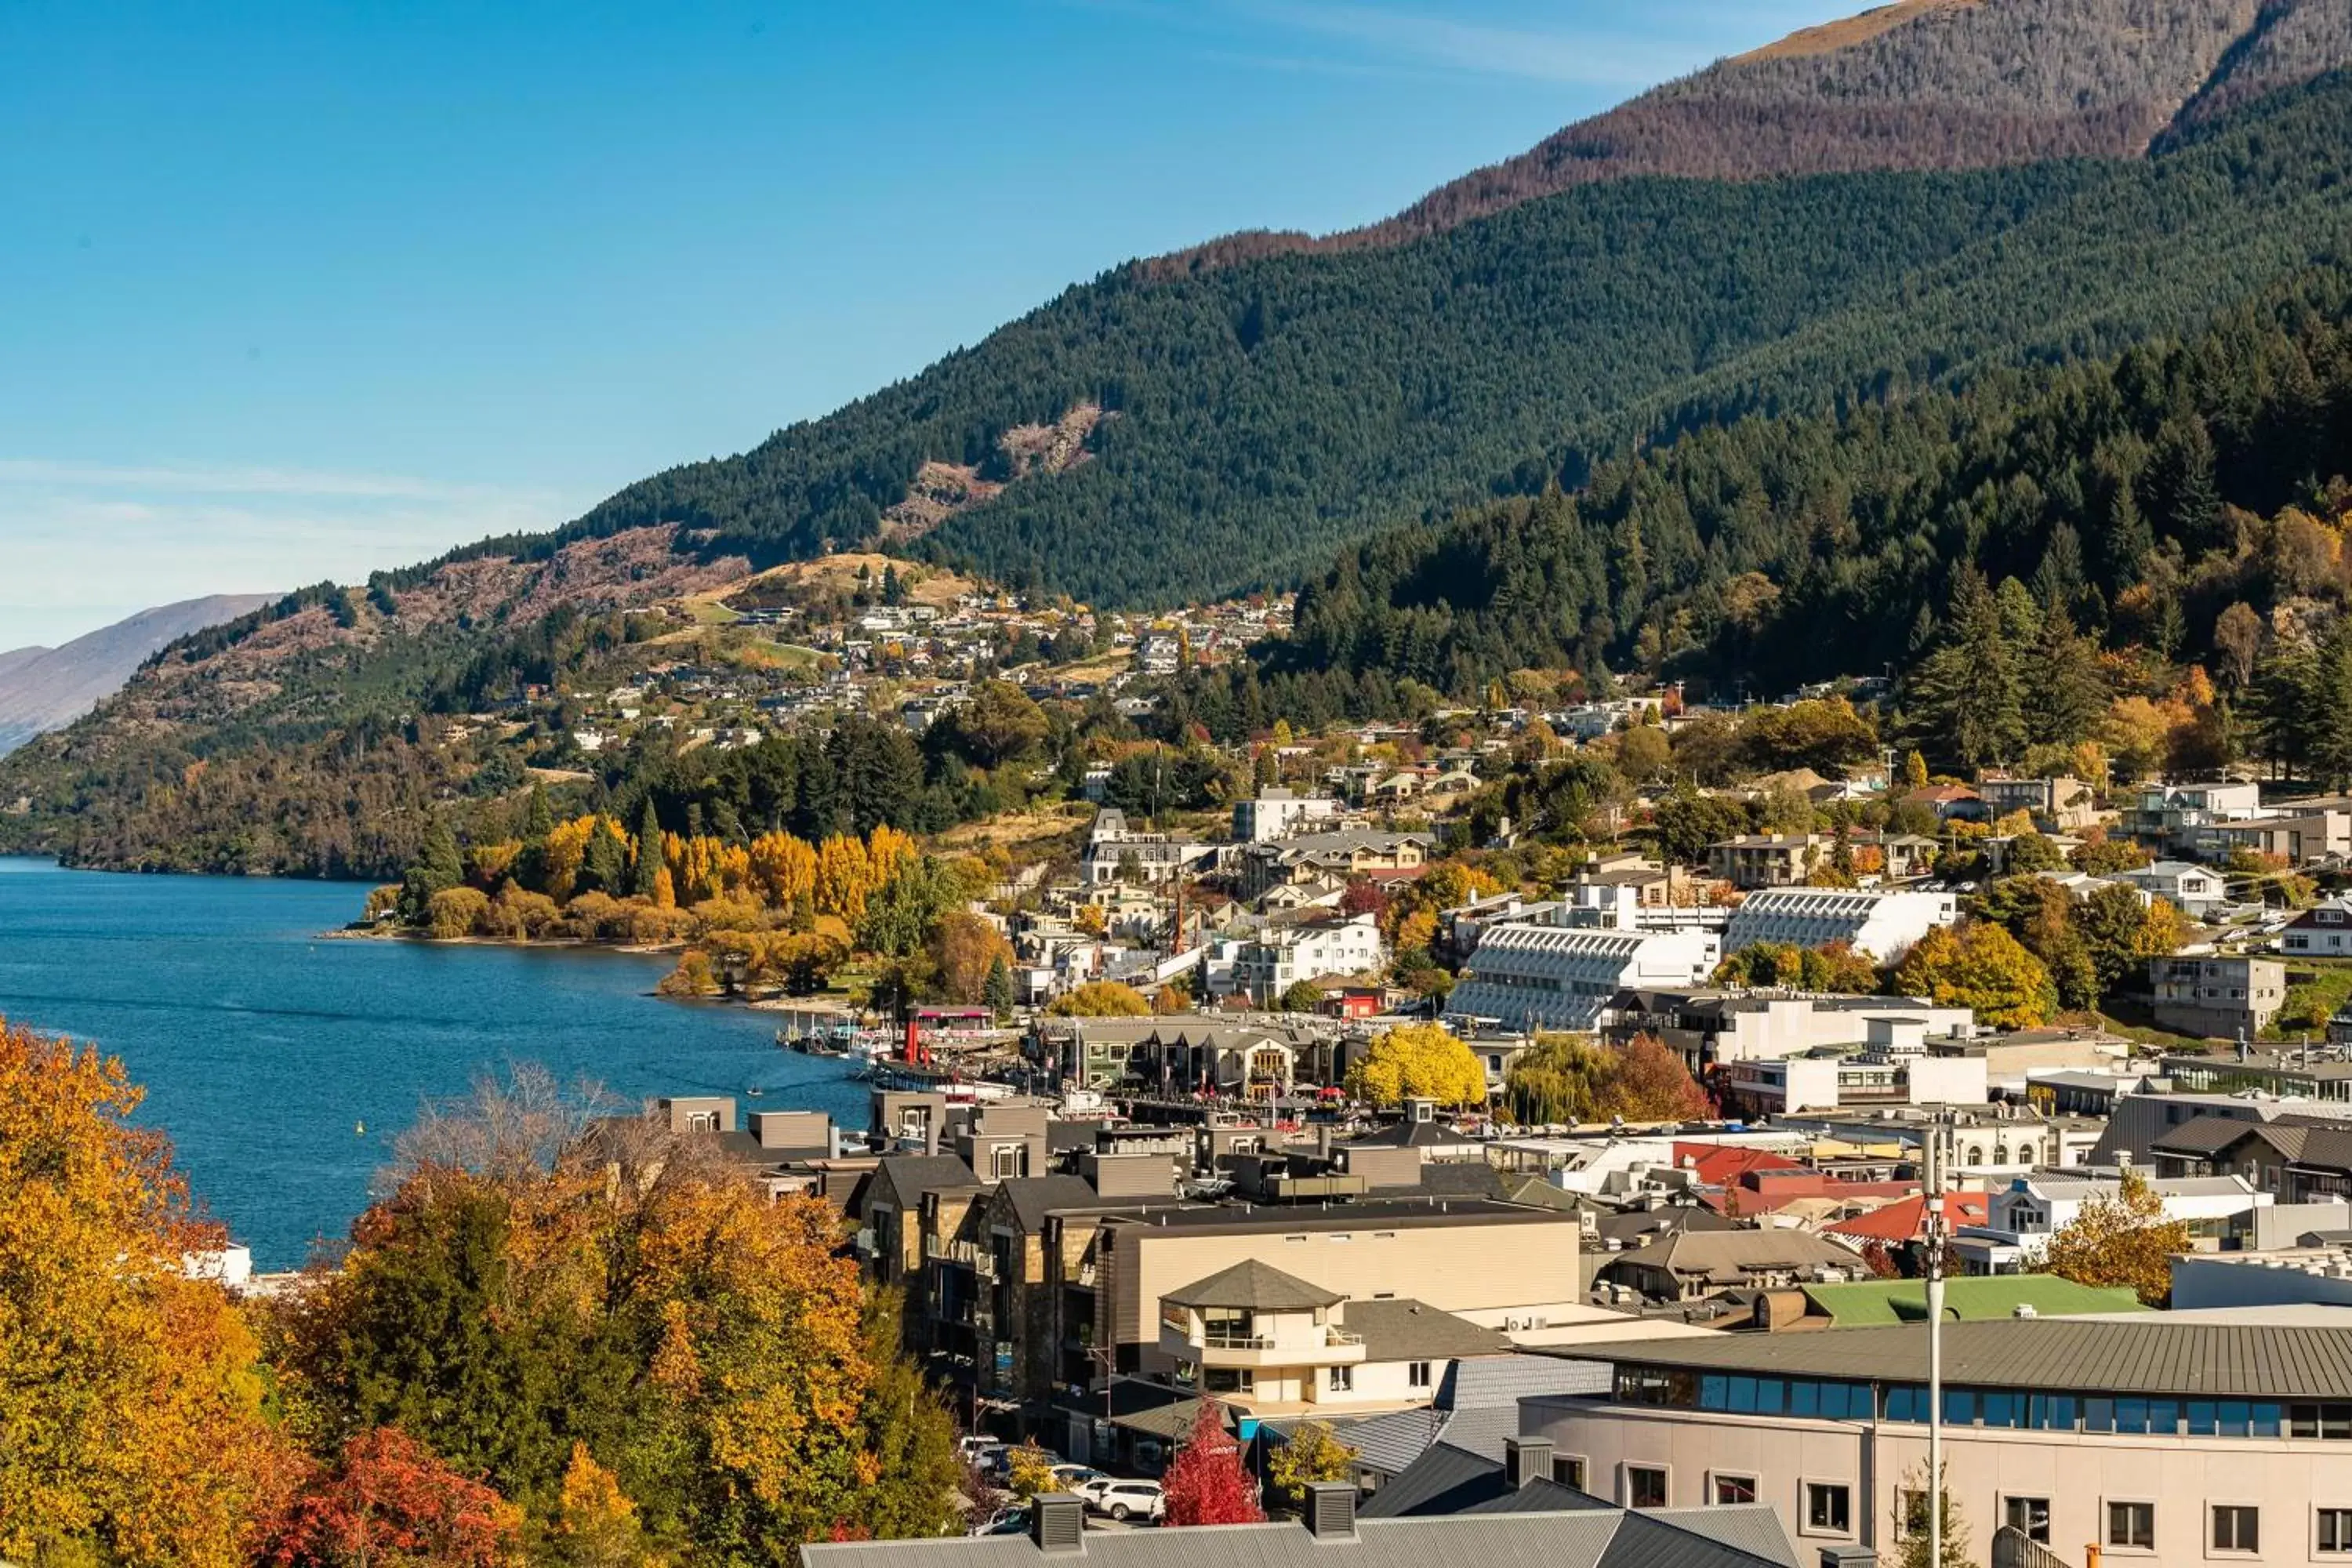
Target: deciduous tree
[(1101, 999), (2120, 1238), (1418, 1061), (1206, 1483)]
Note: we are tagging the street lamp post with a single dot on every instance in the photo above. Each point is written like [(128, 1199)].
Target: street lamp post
[(1932, 1187)]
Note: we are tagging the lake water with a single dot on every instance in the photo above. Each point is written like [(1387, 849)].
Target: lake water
[(264, 1050)]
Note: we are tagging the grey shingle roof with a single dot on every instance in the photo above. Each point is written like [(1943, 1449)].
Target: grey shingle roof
[(910, 1175), (1391, 1442), (1730, 1255), (1400, 1329), (1259, 1287), (1589, 1538), (2143, 1354)]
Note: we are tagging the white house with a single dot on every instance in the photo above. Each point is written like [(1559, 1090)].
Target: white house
[(2021, 1219), (1280, 956), (1278, 814), (2324, 928), (2193, 889), (1882, 924)]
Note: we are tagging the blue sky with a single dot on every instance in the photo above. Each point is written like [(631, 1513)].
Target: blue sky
[(296, 291)]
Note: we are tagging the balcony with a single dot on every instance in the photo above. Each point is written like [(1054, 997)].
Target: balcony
[(1278, 1342)]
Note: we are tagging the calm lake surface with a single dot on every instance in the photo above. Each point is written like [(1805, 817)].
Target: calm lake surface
[(263, 1050)]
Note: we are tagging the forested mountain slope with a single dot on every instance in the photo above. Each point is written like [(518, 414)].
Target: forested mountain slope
[(1257, 417), (2142, 497), (1920, 84)]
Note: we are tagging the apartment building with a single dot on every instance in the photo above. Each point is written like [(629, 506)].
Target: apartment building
[(2058, 804), (1279, 813), (1281, 955), (1555, 977), (2158, 1438), (1714, 1025), (2216, 996), (1882, 924)]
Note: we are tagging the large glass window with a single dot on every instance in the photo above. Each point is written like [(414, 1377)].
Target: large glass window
[(2332, 1533), (2236, 1528), (2132, 1525)]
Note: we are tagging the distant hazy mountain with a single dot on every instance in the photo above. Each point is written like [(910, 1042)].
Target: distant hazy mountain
[(43, 689)]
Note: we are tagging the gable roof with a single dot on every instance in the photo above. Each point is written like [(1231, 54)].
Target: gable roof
[(1259, 1287), (1729, 1257), (1448, 1479), (908, 1176), (1901, 1220), (1033, 1197)]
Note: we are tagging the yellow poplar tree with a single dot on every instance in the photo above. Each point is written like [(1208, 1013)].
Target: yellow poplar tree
[(1419, 1061)]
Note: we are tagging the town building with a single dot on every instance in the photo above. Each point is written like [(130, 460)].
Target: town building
[(2058, 804), (1892, 1068), (2323, 930), (1544, 976), (1278, 813), (1882, 924), (2025, 1216), (1283, 954), (1115, 853), (1714, 1025), (1546, 1528), (2168, 817), (2216, 996), (2195, 890), (2151, 1438)]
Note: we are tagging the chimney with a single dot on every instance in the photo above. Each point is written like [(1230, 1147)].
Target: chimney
[(1331, 1511), (1525, 1461), (1849, 1557), (1057, 1523)]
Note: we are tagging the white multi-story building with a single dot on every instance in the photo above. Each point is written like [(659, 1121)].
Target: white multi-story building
[(1278, 814), (2021, 1219), (1883, 925), (1279, 957), (1557, 977)]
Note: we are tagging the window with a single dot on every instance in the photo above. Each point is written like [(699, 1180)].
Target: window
[(1645, 1486), (2333, 1535), (1008, 1161), (1340, 1379), (2029, 1516), (1229, 1380), (1829, 1508), (2132, 1525), (1730, 1491), (2237, 1528), (1416, 1374), (1569, 1471)]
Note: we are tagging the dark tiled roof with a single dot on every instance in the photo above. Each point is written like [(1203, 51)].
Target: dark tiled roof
[(1462, 1179), (2146, 1354), (1409, 1330), (1259, 1287)]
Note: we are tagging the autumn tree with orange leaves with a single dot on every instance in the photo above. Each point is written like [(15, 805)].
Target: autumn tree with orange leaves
[(130, 1393), (533, 1294)]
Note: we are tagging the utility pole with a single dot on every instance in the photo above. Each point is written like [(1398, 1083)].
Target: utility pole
[(1933, 1217)]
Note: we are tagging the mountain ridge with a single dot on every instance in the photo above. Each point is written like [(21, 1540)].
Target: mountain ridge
[(45, 688), (2066, 79)]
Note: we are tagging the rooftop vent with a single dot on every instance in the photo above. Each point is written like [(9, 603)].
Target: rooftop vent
[(1057, 1523), (1331, 1511)]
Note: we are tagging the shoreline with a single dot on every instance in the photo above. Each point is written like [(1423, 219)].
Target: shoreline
[(776, 1004)]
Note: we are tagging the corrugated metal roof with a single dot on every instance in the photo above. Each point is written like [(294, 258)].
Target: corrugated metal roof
[(1452, 1481), (2143, 1355), (1601, 1536)]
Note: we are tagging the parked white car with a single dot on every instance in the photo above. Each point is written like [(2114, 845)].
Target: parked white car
[(1123, 1500)]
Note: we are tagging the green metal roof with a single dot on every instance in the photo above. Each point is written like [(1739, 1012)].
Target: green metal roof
[(1871, 1302)]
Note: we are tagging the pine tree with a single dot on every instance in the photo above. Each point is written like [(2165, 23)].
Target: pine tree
[(997, 991), (539, 817), (2066, 692), (1967, 693), (644, 871)]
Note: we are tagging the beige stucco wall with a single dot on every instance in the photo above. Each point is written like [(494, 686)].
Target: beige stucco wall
[(1462, 1266), (2079, 1473)]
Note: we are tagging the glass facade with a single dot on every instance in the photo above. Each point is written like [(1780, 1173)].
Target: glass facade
[(1826, 1399)]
